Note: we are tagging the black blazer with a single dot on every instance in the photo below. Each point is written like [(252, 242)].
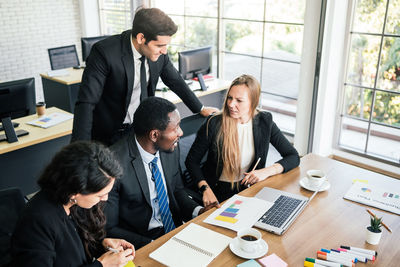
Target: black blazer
[(46, 236), (128, 208), (107, 85), (265, 132)]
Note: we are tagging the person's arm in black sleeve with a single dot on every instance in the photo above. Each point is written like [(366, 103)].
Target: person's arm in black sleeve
[(112, 227), (290, 156), (90, 92)]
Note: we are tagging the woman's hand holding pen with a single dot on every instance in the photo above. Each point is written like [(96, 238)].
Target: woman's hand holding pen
[(259, 175), (119, 252)]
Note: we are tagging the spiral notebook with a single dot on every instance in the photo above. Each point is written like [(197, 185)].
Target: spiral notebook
[(193, 246)]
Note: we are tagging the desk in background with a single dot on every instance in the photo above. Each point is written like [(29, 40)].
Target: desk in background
[(328, 222), (62, 92), (22, 162)]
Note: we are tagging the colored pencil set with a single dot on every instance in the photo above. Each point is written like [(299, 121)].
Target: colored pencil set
[(343, 256)]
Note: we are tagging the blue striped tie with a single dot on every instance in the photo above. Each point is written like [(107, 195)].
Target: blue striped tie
[(166, 216)]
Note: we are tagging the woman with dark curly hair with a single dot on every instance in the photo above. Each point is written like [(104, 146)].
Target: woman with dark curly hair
[(63, 224)]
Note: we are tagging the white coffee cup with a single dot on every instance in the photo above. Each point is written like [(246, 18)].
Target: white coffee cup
[(315, 178), (249, 239)]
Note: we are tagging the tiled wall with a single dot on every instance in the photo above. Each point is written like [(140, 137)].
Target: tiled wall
[(28, 28)]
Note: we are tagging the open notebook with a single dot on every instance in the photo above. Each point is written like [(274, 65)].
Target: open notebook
[(193, 246)]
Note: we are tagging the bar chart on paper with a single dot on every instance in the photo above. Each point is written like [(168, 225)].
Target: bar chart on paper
[(239, 212)]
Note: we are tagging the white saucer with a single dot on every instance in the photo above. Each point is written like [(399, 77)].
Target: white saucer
[(304, 183), (234, 246)]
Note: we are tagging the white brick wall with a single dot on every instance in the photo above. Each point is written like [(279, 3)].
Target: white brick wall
[(28, 28)]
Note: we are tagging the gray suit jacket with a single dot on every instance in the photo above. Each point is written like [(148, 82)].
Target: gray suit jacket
[(128, 208)]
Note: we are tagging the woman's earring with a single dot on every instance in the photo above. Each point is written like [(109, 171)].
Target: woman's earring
[(72, 200)]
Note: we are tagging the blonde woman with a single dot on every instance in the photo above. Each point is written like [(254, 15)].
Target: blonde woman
[(235, 139)]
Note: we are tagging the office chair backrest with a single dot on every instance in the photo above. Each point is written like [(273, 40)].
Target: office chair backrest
[(11, 206), (63, 57)]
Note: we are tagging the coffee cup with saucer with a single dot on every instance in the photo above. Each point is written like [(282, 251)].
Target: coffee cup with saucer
[(315, 180), (249, 244)]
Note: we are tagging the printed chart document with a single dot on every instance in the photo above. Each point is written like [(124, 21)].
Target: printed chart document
[(193, 246), (376, 196), (239, 212), (52, 119)]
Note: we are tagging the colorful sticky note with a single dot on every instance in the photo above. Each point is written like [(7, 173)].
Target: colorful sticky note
[(238, 202), (226, 219), (272, 261), (249, 263), (130, 264), (231, 210), (228, 214), (360, 180)]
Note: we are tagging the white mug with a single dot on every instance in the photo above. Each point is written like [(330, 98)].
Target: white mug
[(315, 178), (249, 239)]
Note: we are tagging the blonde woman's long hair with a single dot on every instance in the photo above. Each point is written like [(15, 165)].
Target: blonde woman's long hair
[(228, 135)]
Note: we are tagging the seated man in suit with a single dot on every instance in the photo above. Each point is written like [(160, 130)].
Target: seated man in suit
[(150, 199)]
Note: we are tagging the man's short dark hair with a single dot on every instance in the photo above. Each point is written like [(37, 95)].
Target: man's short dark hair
[(152, 114), (152, 22)]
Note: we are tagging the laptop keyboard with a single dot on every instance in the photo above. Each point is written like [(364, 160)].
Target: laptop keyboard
[(280, 211)]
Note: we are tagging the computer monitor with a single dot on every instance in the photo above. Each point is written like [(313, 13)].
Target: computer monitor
[(87, 43), (17, 98), (63, 57), (195, 63)]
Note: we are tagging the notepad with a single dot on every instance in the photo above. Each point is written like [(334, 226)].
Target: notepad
[(193, 246), (51, 119), (249, 263), (272, 261)]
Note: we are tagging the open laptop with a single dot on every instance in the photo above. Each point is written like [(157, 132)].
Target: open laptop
[(286, 208)]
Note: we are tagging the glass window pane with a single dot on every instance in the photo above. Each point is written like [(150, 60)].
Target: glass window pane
[(389, 70), (353, 134), (280, 78), (384, 142), (239, 9), (357, 102), (387, 108), (243, 37), (207, 8), (369, 16), (200, 32), (175, 7), (283, 111), (283, 41), (179, 37), (236, 65), (393, 17), (116, 22), (121, 5), (363, 59), (285, 10)]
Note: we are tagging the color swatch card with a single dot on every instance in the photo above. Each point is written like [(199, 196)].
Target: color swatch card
[(239, 212), (382, 198), (51, 119)]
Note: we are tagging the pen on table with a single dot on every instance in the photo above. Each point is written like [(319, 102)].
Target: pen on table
[(255, 166), (363, 250), (352, 251), (324, 263), (358, 257), (384, 225)]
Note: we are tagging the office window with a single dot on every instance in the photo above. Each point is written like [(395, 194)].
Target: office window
[(370, 117), (258, 37), (115, 16)]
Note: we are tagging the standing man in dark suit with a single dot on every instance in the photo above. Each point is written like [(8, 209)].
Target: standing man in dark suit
[(121, 71), (150, 199)]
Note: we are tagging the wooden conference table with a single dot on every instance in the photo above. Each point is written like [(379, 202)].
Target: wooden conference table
[(328, 222)]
